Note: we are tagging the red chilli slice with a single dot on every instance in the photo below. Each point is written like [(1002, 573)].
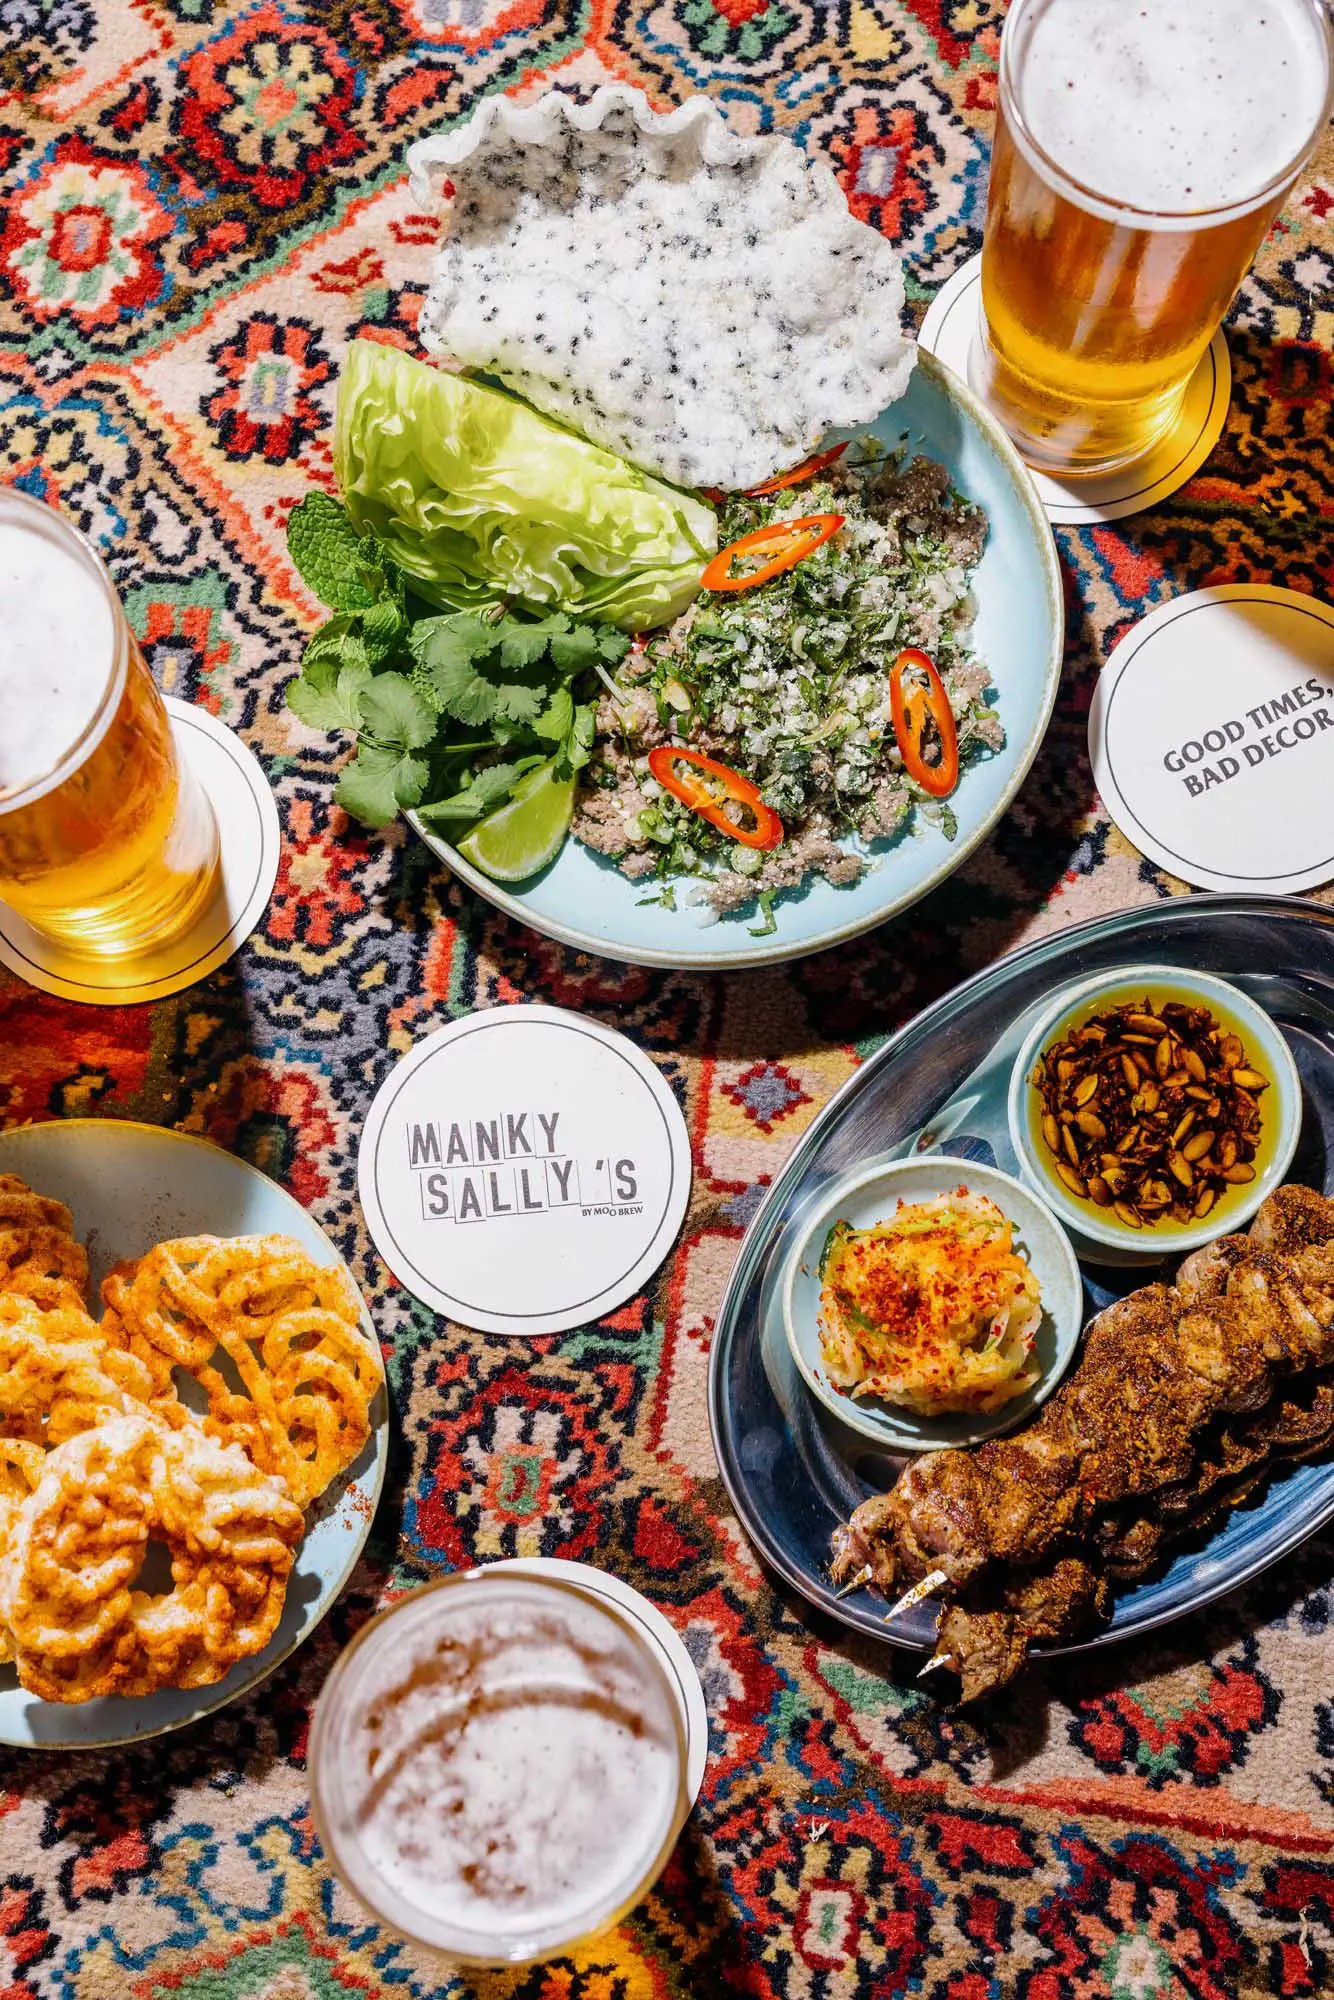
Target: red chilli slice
[(791, 541)]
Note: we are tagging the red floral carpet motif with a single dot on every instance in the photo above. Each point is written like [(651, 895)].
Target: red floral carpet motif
[(81, 237), (1137, 1920), (885, 160), (266, 106), (1207, 1733), (267, 408), (519, 1470), (847, 1895), (203, 203)]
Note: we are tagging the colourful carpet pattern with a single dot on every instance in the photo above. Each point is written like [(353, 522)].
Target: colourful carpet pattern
[(203, 203)]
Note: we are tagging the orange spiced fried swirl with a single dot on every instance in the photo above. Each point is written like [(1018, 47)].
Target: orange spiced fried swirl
[(58, 1376), (79, 1626), (39, 1257), (274, 1339)]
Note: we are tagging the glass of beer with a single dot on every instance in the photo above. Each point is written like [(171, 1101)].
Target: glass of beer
[(1142, 149), (498, 1766), (108, 844)]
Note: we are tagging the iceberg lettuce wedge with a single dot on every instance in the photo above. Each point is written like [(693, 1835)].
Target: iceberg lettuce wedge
[(477, 497)]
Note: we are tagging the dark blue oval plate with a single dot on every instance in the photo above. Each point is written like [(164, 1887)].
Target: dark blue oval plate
[(940, 1085)]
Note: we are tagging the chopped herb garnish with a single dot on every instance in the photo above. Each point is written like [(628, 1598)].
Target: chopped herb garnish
[(788, 684)]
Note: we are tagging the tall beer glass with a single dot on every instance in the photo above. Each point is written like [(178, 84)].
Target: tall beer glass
[(107, 841), (1142, 149), (498, 1766)]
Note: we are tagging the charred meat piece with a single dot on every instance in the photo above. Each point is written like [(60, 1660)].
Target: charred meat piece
[(1292, 1426), (1294, 1218), (986, 1642), (863, 1546)]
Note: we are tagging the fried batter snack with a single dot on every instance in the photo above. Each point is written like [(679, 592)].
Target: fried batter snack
[(58, 1378), (39, 1257), (274, 1339), (20, 1469), (52, 1384), (80, 1629)]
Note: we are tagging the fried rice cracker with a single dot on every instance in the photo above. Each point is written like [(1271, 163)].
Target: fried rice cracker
[(40, 1259)]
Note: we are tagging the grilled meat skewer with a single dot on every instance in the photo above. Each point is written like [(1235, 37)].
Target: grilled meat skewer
[(1161, 1371), (1293, 1425), (986, 1645), (986, 1636)]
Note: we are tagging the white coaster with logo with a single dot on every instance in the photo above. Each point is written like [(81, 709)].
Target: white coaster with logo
[(663, 1636), (947, 332), (1212, 738), (524, 1170), (247, 816)]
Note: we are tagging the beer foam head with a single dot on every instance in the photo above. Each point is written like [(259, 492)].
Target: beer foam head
[(58, 647), (1170, 106), (498, 1766)]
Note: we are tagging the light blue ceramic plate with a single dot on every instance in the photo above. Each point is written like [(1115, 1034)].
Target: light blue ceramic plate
[(872, 1196), (129, 1186), (586, 902)]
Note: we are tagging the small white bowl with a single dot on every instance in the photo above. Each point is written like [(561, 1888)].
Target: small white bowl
[(872, 1195), (1280, 1106)]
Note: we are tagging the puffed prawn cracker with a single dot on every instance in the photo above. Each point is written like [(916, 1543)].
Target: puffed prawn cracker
[(704, 304), (40, 1259), (302, 1374), (80, 1628)]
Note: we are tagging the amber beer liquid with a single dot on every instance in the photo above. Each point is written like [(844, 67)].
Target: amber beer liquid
[(1142, 149), (107, 842)]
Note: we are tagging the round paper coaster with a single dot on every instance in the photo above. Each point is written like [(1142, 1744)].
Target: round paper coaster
[(947, 332), (681, 1670), (1212, 738), (247, 817), (524, 1170)]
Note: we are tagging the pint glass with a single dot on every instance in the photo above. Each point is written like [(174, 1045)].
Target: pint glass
[(107, 842), (498, 1766), (1142, 149)]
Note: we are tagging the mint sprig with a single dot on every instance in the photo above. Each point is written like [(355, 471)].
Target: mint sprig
[(342, 567)]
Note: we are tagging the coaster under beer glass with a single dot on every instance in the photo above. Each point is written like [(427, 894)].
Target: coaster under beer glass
[(1141, 153), (107, 840)]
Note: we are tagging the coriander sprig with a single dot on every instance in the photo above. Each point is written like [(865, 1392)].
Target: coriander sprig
[(449, 709)]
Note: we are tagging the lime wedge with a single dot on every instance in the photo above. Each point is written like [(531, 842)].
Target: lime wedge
[(527, 831)]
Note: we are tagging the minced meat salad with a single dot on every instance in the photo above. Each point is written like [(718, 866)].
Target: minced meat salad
[(788, 684)]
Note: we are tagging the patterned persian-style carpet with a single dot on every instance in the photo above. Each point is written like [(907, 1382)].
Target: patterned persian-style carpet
[(204, 203)]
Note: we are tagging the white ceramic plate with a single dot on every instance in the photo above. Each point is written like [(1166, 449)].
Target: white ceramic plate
[(871, 1195), (129, 1186)]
